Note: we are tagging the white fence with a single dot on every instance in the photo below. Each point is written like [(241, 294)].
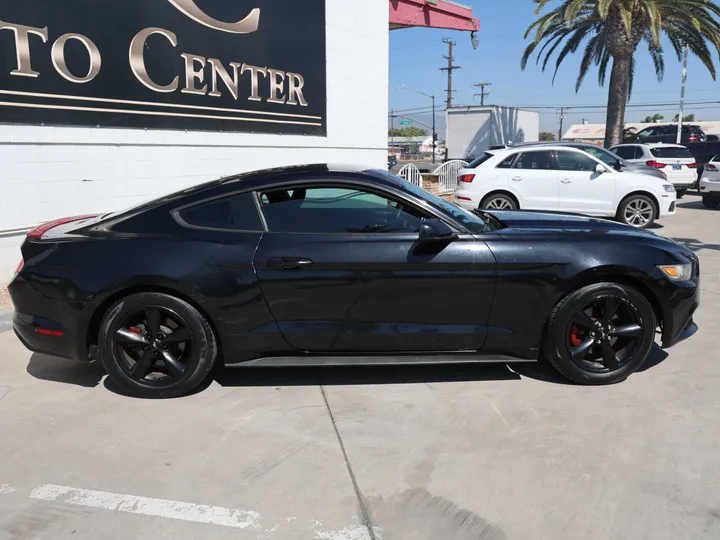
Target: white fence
[(448, 175), (412, 174)]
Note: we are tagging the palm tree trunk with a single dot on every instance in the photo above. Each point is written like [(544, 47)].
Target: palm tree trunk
[(617, 100)]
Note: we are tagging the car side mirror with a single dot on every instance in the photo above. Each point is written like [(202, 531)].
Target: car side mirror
[(434, 229), (600, 169)]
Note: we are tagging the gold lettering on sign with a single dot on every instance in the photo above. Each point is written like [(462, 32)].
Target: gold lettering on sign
[(231, 83), (58, 58), (254, 70), (296, 82), (137, 59), (192, 74), (277, 84), (22, 46), (246, 26)]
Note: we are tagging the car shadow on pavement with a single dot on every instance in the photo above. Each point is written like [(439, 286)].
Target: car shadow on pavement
[(363, 375), (697, 204), (51, 368), (696, 245)]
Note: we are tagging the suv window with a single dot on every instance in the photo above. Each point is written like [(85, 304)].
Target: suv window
[(338, 210), (671, 152), (541, 161), (575, 161), (507, 162), (626, 152), (648, 132), (479, 161), (603, 155), (235, 213)]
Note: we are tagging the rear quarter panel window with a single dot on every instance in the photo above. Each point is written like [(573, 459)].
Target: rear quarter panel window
[(238, 213)]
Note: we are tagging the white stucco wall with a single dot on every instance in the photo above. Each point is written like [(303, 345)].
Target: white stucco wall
[(51, 172)]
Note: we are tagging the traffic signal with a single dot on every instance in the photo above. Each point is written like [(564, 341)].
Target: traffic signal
[(435, 137)]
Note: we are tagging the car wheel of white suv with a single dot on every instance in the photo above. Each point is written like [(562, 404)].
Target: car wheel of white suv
[(637, 211), (498, 201)]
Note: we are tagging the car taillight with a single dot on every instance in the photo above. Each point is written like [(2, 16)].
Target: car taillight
[(693, 138), (38, 232), (692, 165), (19, 267), (653, 163), (710, 167), (467, 178)]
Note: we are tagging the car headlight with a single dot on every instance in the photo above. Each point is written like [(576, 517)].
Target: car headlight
[(669, 188), (678, 272)]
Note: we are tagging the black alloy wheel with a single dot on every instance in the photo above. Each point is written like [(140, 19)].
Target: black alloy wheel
[(154, 345), (600, 334)]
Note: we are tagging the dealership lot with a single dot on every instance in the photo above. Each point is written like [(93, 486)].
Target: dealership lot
[(421, 453)]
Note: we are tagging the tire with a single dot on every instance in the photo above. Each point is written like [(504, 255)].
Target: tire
[(171, 362), (498, 201), (710, 201), (681, 193), (645, 216), (566, 334)]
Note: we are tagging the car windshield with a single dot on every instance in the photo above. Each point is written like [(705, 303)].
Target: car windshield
[(673, 152), (603, 155), (470, 221)]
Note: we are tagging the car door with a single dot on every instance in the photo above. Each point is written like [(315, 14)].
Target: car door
[(534, 178), (343, 269), (582, 188)]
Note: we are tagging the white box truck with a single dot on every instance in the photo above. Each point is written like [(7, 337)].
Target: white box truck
[(472, 130)]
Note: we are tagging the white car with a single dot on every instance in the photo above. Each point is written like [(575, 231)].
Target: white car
[(563, 179), (674, 160), (710, 184)]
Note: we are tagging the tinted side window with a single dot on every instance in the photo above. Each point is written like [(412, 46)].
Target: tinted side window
[(647, 132), (574, 161), (639, 152), (671, 152), (541, 161), (625, 152), (238, 213), (507, 162), (479, 161), (337, 210)]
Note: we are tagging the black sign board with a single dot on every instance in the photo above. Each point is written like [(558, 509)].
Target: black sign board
[(206, 65)]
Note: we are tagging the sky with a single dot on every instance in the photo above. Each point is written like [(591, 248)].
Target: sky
[(416, 56)]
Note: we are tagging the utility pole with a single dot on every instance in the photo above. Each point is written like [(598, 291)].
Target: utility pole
[(450, 68), (392, 130), (682, 96), (483, 93), (562, 121)]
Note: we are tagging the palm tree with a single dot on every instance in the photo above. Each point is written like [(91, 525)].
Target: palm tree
[(613, 30)]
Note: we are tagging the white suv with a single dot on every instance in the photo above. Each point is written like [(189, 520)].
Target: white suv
[(674, 160), (564, 179), (710, 184)]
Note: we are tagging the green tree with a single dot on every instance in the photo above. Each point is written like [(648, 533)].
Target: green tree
[(654, 119), (688, 118), (411, 131), (612, 30), (547, 136)]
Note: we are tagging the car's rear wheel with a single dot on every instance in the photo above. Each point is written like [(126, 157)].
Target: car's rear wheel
[(156, 346), (600, 334), (710, 201), (498, 201), (637, 211)]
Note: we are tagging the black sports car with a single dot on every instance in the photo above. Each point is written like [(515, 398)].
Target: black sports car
[(324, 265)]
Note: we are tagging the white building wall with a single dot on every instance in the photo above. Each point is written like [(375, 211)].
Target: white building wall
[(51, 172)]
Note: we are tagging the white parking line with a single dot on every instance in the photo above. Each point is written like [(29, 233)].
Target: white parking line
[(4, 488), (200, 513)]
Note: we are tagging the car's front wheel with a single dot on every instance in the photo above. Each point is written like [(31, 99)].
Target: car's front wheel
[(156, 346), (600, 334), (710, 201), (637, 211), (498, 201)]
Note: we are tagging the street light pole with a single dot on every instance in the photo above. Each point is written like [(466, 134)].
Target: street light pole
[(682, 96), (403, 87)]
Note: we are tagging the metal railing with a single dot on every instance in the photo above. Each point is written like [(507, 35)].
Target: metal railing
[(448, 175), (412, 174)]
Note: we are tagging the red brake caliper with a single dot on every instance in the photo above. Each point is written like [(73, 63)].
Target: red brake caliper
[(135, 330), (574, 339)]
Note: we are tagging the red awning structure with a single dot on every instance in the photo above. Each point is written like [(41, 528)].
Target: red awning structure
[(432, 14)]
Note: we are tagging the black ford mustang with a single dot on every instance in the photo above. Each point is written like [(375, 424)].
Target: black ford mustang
[(322, 265)]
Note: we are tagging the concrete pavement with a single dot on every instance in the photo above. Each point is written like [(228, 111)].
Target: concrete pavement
[(411, 453)]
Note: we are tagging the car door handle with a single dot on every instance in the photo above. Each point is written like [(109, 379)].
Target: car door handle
[(517, 178), (566, 181), (288, 263)]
